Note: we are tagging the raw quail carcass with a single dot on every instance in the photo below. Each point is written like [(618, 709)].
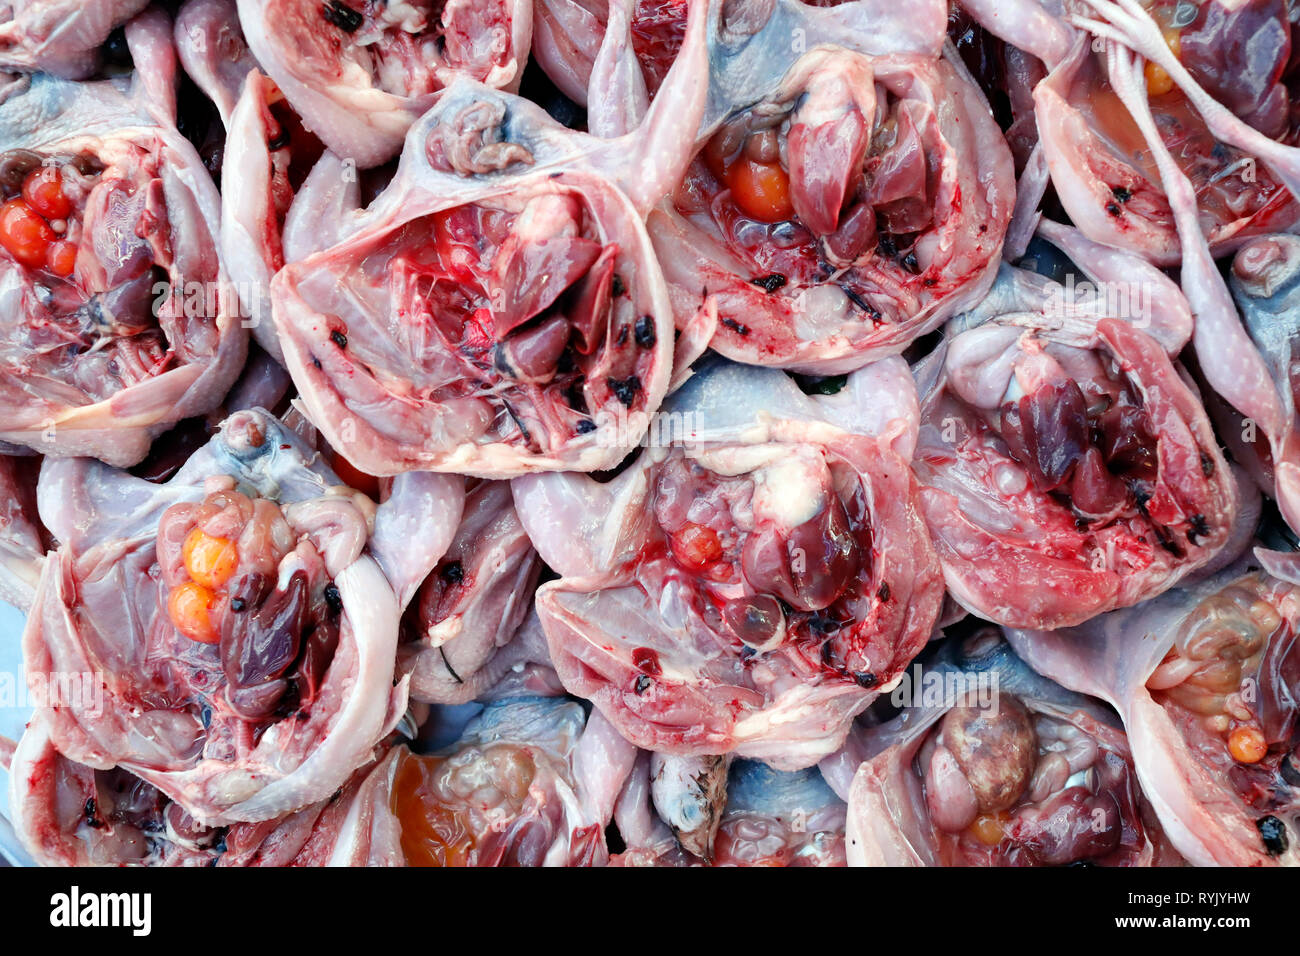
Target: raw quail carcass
[(846, 195), (1068, 468), (999, 768), (1216, 87), (500, 298), (234, 629), (120, 322), (1205, 679), (530, 782), (360, 73), (462, 630), (754, 577), (68, 814)]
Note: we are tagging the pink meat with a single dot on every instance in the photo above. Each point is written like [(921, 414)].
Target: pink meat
[(500, 299), (748, 589), (61, 37), (144, 332), (1187, 672), (361, 73), (276, 715), (267, 157), (22, 537), (1068, 468), (210, 45)]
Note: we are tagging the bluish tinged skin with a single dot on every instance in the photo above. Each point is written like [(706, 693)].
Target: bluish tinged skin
[(754, 787), (725, 397), (744, 67), (1265, 283), (548, 722), (119, 505), (984, 655), (51, 109), (1014, 290)]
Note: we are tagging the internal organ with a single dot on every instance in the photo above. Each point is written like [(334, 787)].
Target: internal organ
[(1075, 456), (1205, 680), (860, 203), (117, 321), (1105, 175), (229, 584), (1005, 769), (772, 588)]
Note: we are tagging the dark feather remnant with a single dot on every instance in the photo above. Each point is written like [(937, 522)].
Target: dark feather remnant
[(450, 670), (343, 16), (625, 389), (645, 332), (770, 282)]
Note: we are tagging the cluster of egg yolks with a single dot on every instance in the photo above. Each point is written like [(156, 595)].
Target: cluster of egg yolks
[(30, 224), (210, 562)]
